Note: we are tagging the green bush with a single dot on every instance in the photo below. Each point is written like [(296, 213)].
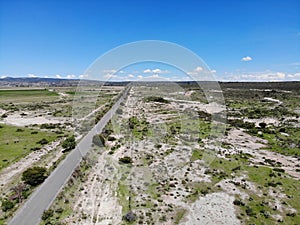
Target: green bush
[(69, 144), (43, 141), (6, 205), (47, 214), (34, 176), (155, 99), (126, 160)]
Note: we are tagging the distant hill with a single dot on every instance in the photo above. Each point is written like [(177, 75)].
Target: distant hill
[(53, 82), (57, 82), (36, 81)]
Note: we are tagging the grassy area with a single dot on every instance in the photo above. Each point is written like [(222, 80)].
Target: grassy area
[(179, 215), (28, 95), (17, 142), (287, 145)]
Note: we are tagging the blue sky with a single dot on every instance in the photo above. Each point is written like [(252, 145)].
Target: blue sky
[(239, 40)]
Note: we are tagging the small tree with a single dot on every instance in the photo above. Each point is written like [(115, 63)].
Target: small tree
[(34, 176), (69, 144)]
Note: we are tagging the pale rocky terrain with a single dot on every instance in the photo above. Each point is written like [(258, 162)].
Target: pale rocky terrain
[(101, 187), (167, 182)]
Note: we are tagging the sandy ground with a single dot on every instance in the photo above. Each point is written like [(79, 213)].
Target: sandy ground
[(98, 198), (211, 107), (215, 208), (18, 120)]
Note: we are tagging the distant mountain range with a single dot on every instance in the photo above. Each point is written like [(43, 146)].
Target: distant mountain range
[(59, 82), (41, 82)]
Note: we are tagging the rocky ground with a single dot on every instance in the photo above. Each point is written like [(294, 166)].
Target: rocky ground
[(179, 177)]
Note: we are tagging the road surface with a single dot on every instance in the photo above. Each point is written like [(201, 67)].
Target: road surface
[(45, 194)]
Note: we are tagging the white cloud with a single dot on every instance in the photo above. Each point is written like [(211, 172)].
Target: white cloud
[(140, 77), (294, 76), (58, 76), (198, 69), (131, 76), (83, 76), (110, 73), (246, 59), (3, 76), (280, 75), (213, 71), (71, 76), (195, 71), (155, 75), (156, 71), (31, 75), (147, 71)]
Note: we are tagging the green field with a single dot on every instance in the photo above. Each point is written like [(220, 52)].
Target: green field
[(16, 142), (28, 95)]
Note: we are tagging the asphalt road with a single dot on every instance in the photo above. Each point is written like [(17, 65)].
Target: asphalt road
[(30, 213)]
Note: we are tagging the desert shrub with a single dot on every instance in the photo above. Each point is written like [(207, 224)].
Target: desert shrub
[(238, 202), (6, 205), (48, 126), (280, 170), (155, 99), (34, 176), (262, 125), (111, 138), (35, 148), (47, 214), (43, 141), (126, 160), (69, 143)]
